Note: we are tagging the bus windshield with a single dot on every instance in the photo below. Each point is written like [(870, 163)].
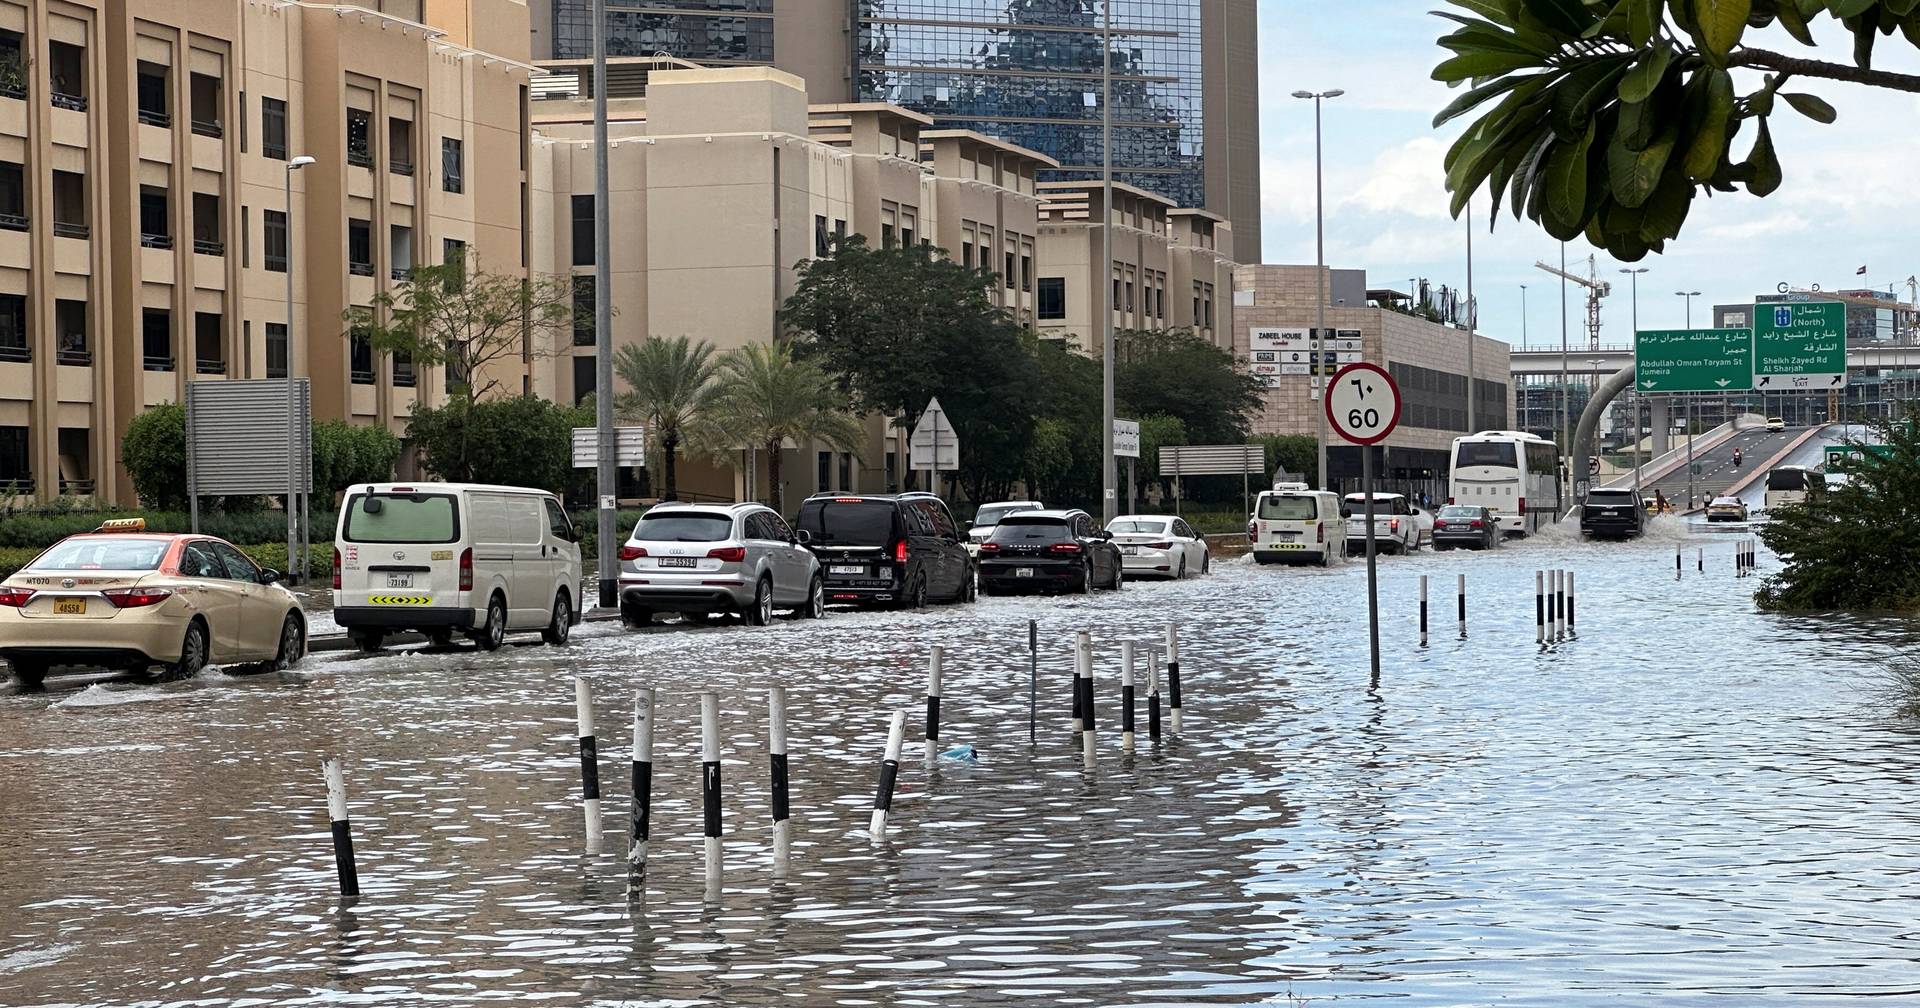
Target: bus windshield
[(1790, 479), (1504, 454)]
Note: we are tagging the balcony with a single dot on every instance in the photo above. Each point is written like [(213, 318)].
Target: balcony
[(150, 117), (361, 376), (207, 129), (156, 241), (403, 376), (12, 85), (360, 158), (70, 102), (400, 167), (201, 246), (13, 221), (151, 363), (400, 272), (16, 354), (77, 488), (74, 358), (360, 269), (17, 486), (210, 367), (67, 229)]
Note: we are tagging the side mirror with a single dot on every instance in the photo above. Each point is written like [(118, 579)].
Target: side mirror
[(801, 537), (1104, 534), (269, 576), (1346, 512)]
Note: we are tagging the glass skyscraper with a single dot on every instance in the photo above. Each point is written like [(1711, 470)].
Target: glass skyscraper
[(704, 31)]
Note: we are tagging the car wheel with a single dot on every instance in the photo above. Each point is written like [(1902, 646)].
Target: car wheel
[(30, 674), (760, 612), (493, 633), (440, 638), (293, 644), (561, 626), (1086, 579), (634, 617), (1206, 561), (971, 589), (1180, 573), (816, 604), (1119, 578), (918, 599), (367, 641), (193, 654)]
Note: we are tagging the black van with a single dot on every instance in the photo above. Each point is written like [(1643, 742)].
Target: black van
[(899, 549)]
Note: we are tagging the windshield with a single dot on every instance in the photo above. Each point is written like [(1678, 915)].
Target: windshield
[(1486, 453), (848, 522), (1137, 527), (1302, 508), (1610, 497), (402, 518), (1788, 479), (1028, 528), (682, 526), (95, 552), (991, 516), (1459, 511)]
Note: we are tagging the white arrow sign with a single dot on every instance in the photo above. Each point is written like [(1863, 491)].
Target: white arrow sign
[(934, 444)]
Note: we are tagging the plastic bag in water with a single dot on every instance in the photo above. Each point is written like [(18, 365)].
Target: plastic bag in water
[(960, 754)]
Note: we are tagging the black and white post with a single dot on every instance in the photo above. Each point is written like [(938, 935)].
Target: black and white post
[(641, 819), (343, 865), (710, 781), (1460, 601), (1555, 603), (1423, 610), (1082, 661), (1571, 632), (1173, 679), (1086, 710), (777, 771), (889, 774), (1540, 608), (1126, 697), (1033, 681), (589, 760), (1153, 694), (1676, 563), (1700, 561), (934, 661)]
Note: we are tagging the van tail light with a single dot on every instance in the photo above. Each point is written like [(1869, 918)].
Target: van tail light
[(1393, 525), (1319, 532), (336, 568), (134, 598), (1250, 530), (1523, 505), (632, 552), (989, 547), (728, 554), (15, 598), (466, 569), (1064, 548), (900, 552)]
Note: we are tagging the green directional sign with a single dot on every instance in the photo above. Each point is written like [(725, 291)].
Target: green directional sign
[(1693, 360), (1799, 345)]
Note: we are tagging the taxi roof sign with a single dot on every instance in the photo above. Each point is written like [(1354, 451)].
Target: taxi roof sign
[(123, 525)]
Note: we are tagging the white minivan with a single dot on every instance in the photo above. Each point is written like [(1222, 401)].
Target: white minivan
[(1292, 524), (441, 558)]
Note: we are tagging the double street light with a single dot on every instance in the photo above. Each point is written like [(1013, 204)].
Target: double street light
[(296, 562), (1320, 273), (1689, 295), (1635, 274)]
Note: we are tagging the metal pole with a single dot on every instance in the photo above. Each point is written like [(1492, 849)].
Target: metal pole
[(1635, 398), (1566, 406), (1107, 495), (1320, 278), (1373, 586), (603, 320), (293, 479), (1473, 424)]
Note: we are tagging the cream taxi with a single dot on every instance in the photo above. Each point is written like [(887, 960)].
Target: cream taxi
[(121, 597)]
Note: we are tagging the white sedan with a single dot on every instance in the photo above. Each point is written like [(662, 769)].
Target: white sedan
[(1159, 545)]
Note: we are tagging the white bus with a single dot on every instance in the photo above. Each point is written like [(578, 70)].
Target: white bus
[(1790, 484), (1514, 474)]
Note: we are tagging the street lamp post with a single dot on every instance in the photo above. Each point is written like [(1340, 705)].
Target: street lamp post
[(1108, 496), (606, 460), (1689, 295), (1688, 416), (1634, 274), (1320, 272), (296, 566)]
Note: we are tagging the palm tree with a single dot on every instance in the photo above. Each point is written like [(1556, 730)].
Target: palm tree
[(766, 397), (673, 381)]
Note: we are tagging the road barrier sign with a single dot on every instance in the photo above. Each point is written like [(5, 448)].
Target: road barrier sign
[(1693, 360), (1799, 346)]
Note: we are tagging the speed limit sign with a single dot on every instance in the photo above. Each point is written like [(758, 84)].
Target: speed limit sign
[(1363, 404)]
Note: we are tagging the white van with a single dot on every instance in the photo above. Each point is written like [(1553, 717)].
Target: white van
[(445, 557), (1296, 525)]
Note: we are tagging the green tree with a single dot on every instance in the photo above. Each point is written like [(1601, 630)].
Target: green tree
[(1855, 546), (1156, 432), (1177, 373), (517, 441), (154, 451), (1294, 453), (1071, 399), (467, 321), (1611, 116), (766, 398), (672, 382), (1049, 457)]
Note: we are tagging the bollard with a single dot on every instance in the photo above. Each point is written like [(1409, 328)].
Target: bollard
[(1423, 610), (1153, 694), (1570, 630), (1173, 679), (1676, 563), (641, 818), (1540, 608), (1700, 561), (1126, 697), (777, 770), (889, 772), (1559, 606), (1033, 680), (710, 780), (589, 759), (1460, 597), (1082, 660), (343, 865), (934, 661), (1086, 712)]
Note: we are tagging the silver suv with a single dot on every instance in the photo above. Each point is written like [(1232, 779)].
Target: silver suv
[(700, 559)]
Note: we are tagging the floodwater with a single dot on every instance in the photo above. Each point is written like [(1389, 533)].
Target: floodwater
[(1690, 804)]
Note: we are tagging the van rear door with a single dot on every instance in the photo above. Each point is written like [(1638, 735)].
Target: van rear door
[(399, 549)]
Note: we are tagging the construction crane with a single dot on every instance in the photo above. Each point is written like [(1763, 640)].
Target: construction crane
[(1596, 289)]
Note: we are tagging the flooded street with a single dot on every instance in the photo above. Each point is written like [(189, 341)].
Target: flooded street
[(1691, 804)]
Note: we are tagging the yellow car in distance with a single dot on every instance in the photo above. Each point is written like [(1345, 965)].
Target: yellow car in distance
[(123, 598)]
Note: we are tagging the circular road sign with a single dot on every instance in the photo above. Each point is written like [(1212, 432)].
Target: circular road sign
[(1363, 404), (1593, 466)]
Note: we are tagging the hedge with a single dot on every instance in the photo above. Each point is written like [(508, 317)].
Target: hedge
[(274, 555), (38, 530)]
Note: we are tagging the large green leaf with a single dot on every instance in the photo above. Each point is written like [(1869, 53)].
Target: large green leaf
[(1811, 106), (1470, 65), (1643, 20), (1565, 183), (1633, 174), (1718, 25), (1646, 74), (1710, 137), (1764, 164), (1477, 95), (1848, 8)]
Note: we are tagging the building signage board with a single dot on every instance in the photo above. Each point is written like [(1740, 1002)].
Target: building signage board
[(1799, 345), (1126, 438), (1692, 360)]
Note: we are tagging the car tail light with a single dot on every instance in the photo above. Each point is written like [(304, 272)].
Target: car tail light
[(134, 598), (1160, 545), (15, 598), (1320, 532), (900, 552), (1393, 525), (728, 554), (1475, 524), (466, 569), (989, 547), (1523, 507), (1064, 548), (632, 552), (336, 568)]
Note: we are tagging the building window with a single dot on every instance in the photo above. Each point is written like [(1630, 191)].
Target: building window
[(209, 357), (1051, 299), (359, 247), (273, 129), (1026, 273), (273, 225), (1009, 277), (822, 243), (583, 310), (203, 109), (156, 339), (13, 197), (1129, 301), (150, 94), (399, 146), (16, 471), (155, 229), (70, 205), (13, 69), (823, 474), (966, 254), (70, 332), (400, 250), (206, 225), (403, 376), (13, 328), (886, 236), (67, 70), (583, 230), (360, 357), (277, 350), (453, 170), (453, 252), (359, 138)]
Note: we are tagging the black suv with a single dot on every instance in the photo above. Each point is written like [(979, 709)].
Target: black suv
[(1049, 551), (903, 549), (1612, 513)]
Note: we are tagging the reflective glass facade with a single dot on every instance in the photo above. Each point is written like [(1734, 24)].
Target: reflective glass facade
[(704, 31), (1028, 71)]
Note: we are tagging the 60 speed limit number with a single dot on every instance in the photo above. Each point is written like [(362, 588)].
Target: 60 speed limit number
[(1363, 404)]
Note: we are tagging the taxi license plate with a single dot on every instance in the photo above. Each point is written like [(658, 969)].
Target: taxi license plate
[(1023, 572), (399, 580), (1130, 550), (679, 561), (854, 570), (70, 607)]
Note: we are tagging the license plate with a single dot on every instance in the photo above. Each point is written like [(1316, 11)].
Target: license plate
[(679, 562), (399, 580), (1130, 550), (854, 570), (1287, 536), (70, 607), (1023, 572)]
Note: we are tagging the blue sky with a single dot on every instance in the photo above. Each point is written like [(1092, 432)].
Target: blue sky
[(1848, 200)]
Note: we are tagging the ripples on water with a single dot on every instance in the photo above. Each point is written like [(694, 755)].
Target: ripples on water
[(1691, 804)]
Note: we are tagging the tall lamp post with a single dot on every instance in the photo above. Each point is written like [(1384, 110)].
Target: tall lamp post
[(1320, 273), (1634, 274), (1689, 295), (606, 461), (296, 566), (1108, 496), (1688, 416)]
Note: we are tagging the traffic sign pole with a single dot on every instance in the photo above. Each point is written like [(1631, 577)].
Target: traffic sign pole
[(1373, 573), (1363, 405)]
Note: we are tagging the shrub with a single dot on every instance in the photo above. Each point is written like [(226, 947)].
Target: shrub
[(1856, 546), (38, 530), (155, 454), (274, 555), (522, 441)]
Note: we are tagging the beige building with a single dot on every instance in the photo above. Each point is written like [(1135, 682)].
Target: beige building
[(1273, 318), (145, 239)]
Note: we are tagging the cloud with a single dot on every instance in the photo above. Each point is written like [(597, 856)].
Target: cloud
[(1408, 179)]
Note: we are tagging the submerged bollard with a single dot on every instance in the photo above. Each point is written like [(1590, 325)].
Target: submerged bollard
[(1570, 630), (889, 773), (1082, 660), (1153, 694), (710, 781), (1460, 597), (934, 661), (589, 759), (1126, 697), (1423, 610), (1540, 608), (343, 865), (641, 819), (1559, 606), (777, 774), (1033, 681), (1700, 561), (1173, 679), (1086, 713), (1676, 563)]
